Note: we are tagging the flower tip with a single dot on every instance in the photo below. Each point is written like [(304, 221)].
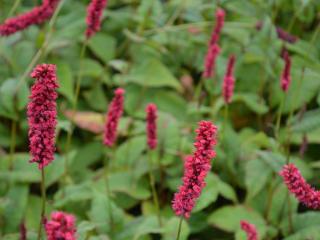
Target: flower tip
[(220, 13), (43, 69), (119, 91)]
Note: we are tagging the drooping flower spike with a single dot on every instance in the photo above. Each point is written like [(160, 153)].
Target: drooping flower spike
[(214, 49), (285, 76), (151, 128), (114, 114), (250, 230), (298, 186), (61, 226), (94, 14), (229, 81), (196, 168), (42, 114), (35, 16)]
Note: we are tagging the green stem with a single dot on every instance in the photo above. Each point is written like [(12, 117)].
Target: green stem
[(152, 184), (43, 207), (283, 100), (197, 96), (108, 190), (14, 8), (179, 229), (12, 143), (42, 49)]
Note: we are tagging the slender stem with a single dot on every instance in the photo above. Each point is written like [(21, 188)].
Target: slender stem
[(108, 190), (179, 229), (74, 108), (14, 8), (41, 49), (197, 96), (283, 100), (43, 208), (225, 120), (12, 143), (154, 192)]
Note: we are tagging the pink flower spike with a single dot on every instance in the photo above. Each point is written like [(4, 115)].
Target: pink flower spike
[(35, 16), (285, 76), (298, 186), (42, 114), (61, 226), (220, 14), (196, 168), (250, 230), (229, 80), (114, 114), (151, 111), (94, 14)]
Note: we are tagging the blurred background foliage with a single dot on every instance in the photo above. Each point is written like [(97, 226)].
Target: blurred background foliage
[(155, 50)]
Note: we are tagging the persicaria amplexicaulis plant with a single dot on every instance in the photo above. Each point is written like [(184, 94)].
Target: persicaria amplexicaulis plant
[(250, 230), (42, 114), (298, 186), (229, 80), (114, 114), (61, 226), (214, 49), (37, 15), (151, 120), (196, 168), (94, 14), (285, 76)]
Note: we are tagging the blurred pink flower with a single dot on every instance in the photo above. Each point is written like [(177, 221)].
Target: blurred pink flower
[(114, 114), (250, 230), (61, 226), (285, 76), (42, 114), (94, 14), (229, 81), (151, 111), (37, 15), (298, 186), (196, 168), (214, 49)]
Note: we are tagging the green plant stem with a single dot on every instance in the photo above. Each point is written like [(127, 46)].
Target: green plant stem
[(226, 117), (152, 184), (277, 130), (197, 95), (12, 143), (42, 49), (74, 108), (43, 207), (14, 8), (179, 229), (107, 169)]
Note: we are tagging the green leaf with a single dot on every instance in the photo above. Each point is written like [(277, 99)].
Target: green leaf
[(307, 233), (152, 73), (252, 101), (171, 227), (309, 122), (65, 80), (228, 218), (103, 46), (91, 68)]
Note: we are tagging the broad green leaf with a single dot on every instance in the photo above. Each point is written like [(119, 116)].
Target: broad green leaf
[(309, 122), (252, 101), (152, 73), (307, 233), (103, 46), (171, 226), (65, 79)]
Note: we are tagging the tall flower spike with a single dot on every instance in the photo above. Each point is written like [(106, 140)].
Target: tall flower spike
[(229, 80), (37, 15), (94, 14), (285, 76), (214, 49), (250, 230), (61, 226), (42, 114), (113, 116), (298, 186), (196, 168), (151, 111)]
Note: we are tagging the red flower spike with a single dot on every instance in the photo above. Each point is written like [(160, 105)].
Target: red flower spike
[(214, 49), (250, 230), (151, 111), (61, 226), (113, 116), (35, 16), (298, 186), (285, 76), (196, 168), (229, 80), (94, 14), (42, 114)]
